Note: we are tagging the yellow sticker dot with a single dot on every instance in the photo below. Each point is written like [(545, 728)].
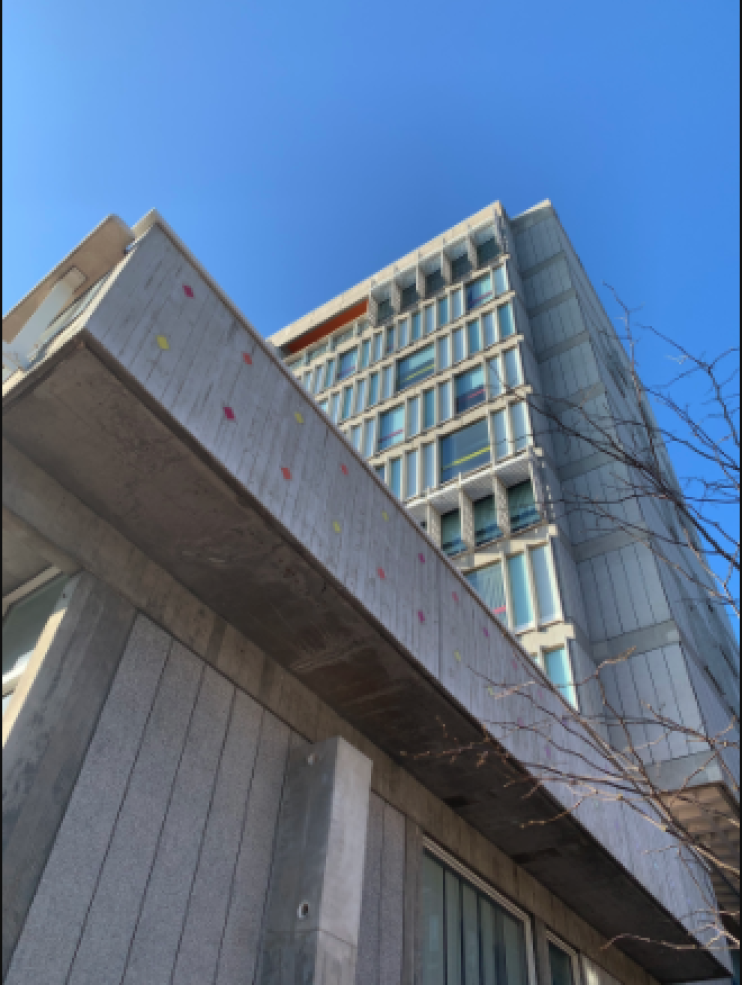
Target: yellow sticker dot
[(299, 418), (336, 527), (457, 655), (490, 692), (163, 342), (385, 514)]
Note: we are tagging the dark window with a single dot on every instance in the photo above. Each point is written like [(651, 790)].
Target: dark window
[(464, 450), (409, 297), (522, 506), (460, 267), (469, 389), (434, 282), (487, 251), (485, 521), (385, 311), (451, 542), (561, 966)]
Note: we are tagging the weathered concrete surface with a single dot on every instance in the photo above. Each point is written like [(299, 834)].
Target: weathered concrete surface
[(322, 570), (313, 916)]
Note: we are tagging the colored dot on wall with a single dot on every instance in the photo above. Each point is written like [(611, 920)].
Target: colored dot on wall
[(380, 572), (286, 473), (421, 558), (454, 596), (486, 632), (521, 722), (336, 527), (421, 616), (163, 342), (457, 655), (514, 664), (298, 417), (491, 692), (384, 514), (344, 469), (188, 290), (229, 414), (247, 358)]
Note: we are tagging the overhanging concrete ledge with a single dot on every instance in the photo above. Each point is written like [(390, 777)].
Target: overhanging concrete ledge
[(327, 574)]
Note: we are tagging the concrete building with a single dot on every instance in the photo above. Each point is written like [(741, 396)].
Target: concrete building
[(234, 661)]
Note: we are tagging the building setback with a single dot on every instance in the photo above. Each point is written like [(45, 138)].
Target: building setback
[(234, 661)]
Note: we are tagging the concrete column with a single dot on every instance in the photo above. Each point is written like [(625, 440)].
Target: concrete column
[(314, 906), (466, 510), (501, 506), (433, 521), (538, 486)]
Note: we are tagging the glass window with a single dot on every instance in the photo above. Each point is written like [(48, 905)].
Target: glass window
[(355, 436), (318, 351), (305, 379), (451, 542), (413, 417), (546, 598), (520, 591), (490, 331), (395, 477), (487, 251), (330, 374), (347, 363), (561, 966), (444, 401), (473, 337), (522, 506), (500, 427), (479, 292), (429, 466), (380, 470), (360, 395), (460, 267), (489, 585), (385, 310), (459, 346), (347, 402), (334, 407), (342, 338), (501, 280), (434, 282), (391, 427), (465, 450), (409, 297), (323, 405), (365, 353), (369, 438), (442, 311), (387, 382), (429, 409), (319, 379), (457, 304), (494, 377), (416, 367), (416, 329), (485, 521), (506, 321), (512, 368), (429, 319), (444, 353), (411, 470), (373, 389), (467, 938), (24, 624), (521, 431), (376, 354), (402, 333), (469, 388), (389, 340)]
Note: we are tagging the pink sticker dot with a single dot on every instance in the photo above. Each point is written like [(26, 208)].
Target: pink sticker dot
[(422, 558), (521, 722), (380, 572), (286, 474), (514, 664), (188, 291), (421, 616), (247, 358), (229, 414), (455, 596), (486, 632), (548, 752), (344, 469)]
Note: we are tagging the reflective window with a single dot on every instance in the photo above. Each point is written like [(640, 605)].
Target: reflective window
[(365, 353), (391, 427), (506, 320), (411, 470), (373, 389), (444, 401), (429, 409), (519, 421), (323, 405), (342, 338), (457, 304), (520, 591), (485, 521), (561, 966), (416, 327), (380, 470), (334, 407), (464, 450), (501, 280), (444, 353), (347, 402), (459, 345), (389, 340), (429, 319), (512, 368), (355, 436), (387, 382), (416, 367), (413, 417), (469, 388), (522, 506), (395, 477), (546, 596), (360, 395), (468, 939), (473, 337), (369, 438), (428, 466), (489, 585), (378, 341), (442, 312), (500, 428), (347, 363), (402, 333), (479, 292), (451, 542), (24, 624), (330, 374), (494, 377)]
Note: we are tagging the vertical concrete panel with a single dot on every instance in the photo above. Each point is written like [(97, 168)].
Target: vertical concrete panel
[(239, 952), (111, 920), (369, 941), (391, 920), (160, 923), (201, 941), (55, 922), (412, 956)]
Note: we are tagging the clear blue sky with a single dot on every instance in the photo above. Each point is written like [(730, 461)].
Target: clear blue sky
[(299, 147)]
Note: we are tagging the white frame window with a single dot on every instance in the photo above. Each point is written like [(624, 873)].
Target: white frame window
[(571, 954)]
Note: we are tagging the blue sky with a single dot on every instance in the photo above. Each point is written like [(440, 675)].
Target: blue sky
[(297, 148)]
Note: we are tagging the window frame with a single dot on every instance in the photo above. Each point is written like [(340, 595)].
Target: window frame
[(571, 953), (448, 861)]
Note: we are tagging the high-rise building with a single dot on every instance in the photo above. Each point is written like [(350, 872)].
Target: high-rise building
[(258, 729)]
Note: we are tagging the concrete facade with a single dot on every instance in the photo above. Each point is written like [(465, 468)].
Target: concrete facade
[(243, 585)]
